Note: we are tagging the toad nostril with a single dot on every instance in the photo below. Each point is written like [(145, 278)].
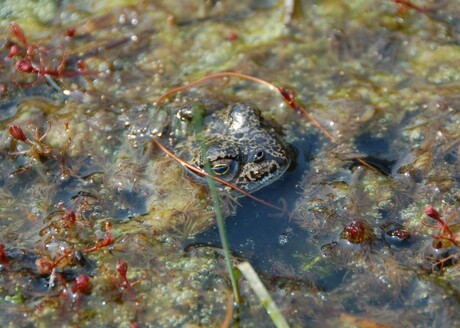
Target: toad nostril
[(259, 156)]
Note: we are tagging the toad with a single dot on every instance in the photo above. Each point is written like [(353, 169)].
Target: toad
[(241, 147)]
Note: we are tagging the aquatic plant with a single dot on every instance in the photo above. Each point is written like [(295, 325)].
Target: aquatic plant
[(404, 5), (198, 126), (445, 248), (392, 79), (264, 297), (38, 59), (81, 286), (3, 257), (74, 227), (358, 232), (38, 150), (122, 269), (445, 228)]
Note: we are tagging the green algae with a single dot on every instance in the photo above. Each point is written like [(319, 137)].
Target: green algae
[(383, 82)]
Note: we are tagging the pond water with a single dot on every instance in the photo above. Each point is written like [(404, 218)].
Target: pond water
[(258, 233), (98, 226)]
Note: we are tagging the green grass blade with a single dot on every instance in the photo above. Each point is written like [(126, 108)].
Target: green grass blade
[(198, 125), (264, 297)]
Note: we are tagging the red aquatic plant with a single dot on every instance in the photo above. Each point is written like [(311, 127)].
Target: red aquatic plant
[(70, 32), (357, 232), (68, 255), (82, 285), (122, 269), (38, 149), (39, 59), (68, 217), (404, 5), (444, 227), (232, 36), (108, 240), (44, 265), (17, 133), (3, 257)]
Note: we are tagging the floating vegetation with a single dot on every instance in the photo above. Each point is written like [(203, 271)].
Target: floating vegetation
[(103, 224)]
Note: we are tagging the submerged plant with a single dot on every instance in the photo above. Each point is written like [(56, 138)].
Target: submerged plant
[(445, 249), (74, 231), (358, 232), (38, 59), (447, 230), (38, 149), (122, 269), (404, 5), (3, 257)]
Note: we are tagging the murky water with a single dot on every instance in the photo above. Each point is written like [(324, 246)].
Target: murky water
[(100, 227)]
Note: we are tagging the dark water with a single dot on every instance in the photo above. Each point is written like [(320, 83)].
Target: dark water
[(257, 232)]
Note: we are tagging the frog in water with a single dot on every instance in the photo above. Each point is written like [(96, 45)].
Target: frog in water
[(241, 147)]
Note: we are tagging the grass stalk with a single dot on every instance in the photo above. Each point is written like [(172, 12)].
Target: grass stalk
[(262, 294), (223, 233), (198, 125)]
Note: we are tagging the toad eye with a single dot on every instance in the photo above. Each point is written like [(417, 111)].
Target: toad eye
[(220, 168), (225, 168)]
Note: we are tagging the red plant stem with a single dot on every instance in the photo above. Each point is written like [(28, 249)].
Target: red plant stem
[(409, 4), (60, 258), (443, 226), (18, 33), (288, 96), (214, 76), (25, 66), (3, 257), (434, 214), (107, 241), (82, 285), (14, 51), (122, 268)]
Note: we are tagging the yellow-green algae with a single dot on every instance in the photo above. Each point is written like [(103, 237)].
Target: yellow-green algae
[(367, 71)]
